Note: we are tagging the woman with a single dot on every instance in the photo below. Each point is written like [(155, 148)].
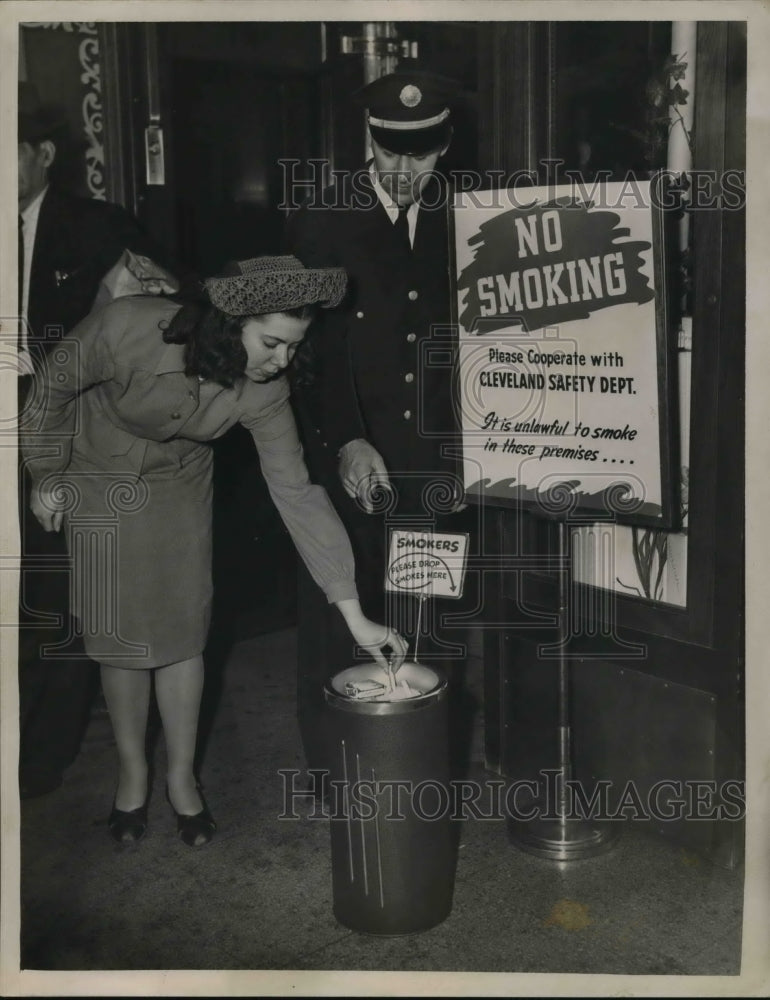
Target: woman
[(125, 408)]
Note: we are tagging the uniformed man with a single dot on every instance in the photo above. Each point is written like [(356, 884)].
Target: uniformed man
[(380, 430)]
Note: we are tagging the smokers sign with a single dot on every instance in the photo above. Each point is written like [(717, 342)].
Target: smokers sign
[(427, 563)]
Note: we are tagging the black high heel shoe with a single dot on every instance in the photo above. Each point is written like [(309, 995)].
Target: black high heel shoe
[(195, 830), (127, 826)]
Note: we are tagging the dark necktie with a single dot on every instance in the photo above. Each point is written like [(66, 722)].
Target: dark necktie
[(401, 227)]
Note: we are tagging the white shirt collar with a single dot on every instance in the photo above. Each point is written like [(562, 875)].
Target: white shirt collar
[(31, 212)]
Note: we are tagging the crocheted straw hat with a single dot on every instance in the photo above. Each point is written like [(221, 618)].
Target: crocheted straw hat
[(274, 284)]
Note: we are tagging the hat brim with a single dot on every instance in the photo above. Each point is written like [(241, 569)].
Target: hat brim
[(274, 291), (418, 141)]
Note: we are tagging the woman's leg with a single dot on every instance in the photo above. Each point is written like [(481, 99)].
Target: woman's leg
[(178, 688), (127, 693)]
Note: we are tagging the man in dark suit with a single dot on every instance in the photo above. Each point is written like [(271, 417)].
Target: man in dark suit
[(379, 425), (66, 246)]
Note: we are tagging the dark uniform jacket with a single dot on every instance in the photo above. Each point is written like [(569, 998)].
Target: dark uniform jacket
[(385, 371), (76, 242)]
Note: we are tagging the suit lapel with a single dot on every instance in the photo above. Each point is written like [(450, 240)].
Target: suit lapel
[(42, 281), (47, 235), (431, 249), (431, 219)]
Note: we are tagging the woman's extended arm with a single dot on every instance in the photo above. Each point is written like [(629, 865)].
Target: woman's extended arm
[(313, 524)]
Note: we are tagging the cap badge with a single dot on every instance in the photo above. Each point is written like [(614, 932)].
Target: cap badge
[(410, 96)]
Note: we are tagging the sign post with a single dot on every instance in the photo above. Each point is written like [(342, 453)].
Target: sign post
[(558, 834), (566, 376)]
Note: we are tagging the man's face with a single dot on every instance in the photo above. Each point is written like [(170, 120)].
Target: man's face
[(34, 161), (404, 175)]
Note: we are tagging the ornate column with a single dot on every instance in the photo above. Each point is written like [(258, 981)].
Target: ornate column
[(63, 60)]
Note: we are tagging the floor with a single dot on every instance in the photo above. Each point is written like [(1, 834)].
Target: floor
[(259, 897)]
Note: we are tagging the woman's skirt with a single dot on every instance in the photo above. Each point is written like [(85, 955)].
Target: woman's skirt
[(140, 548)]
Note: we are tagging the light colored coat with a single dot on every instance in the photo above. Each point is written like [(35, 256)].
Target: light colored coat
[(115, 418)]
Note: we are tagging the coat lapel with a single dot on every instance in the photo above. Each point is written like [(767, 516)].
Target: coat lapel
[(44, 250)]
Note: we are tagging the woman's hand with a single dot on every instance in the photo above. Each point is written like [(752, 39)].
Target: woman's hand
[(45, 508), (373, 637)]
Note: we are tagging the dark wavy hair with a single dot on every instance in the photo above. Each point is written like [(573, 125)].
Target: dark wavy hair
[(214, 340)]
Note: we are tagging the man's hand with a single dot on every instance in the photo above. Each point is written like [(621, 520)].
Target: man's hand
[(362, 472), (44, 506), (151, 277)]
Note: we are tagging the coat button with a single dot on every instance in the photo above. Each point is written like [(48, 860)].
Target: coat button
[(359, 315), (409, 377), (407, 414), (176, 416), (412, 295), (411, 337)]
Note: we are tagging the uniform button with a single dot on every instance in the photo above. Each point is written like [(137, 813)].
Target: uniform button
[(412, 295), (359, 315), (407, 414), (176, 416), (409, 377), (411, 337)]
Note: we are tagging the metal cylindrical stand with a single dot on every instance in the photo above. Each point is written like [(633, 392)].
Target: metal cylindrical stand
[(393, 862), (554, 833)]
